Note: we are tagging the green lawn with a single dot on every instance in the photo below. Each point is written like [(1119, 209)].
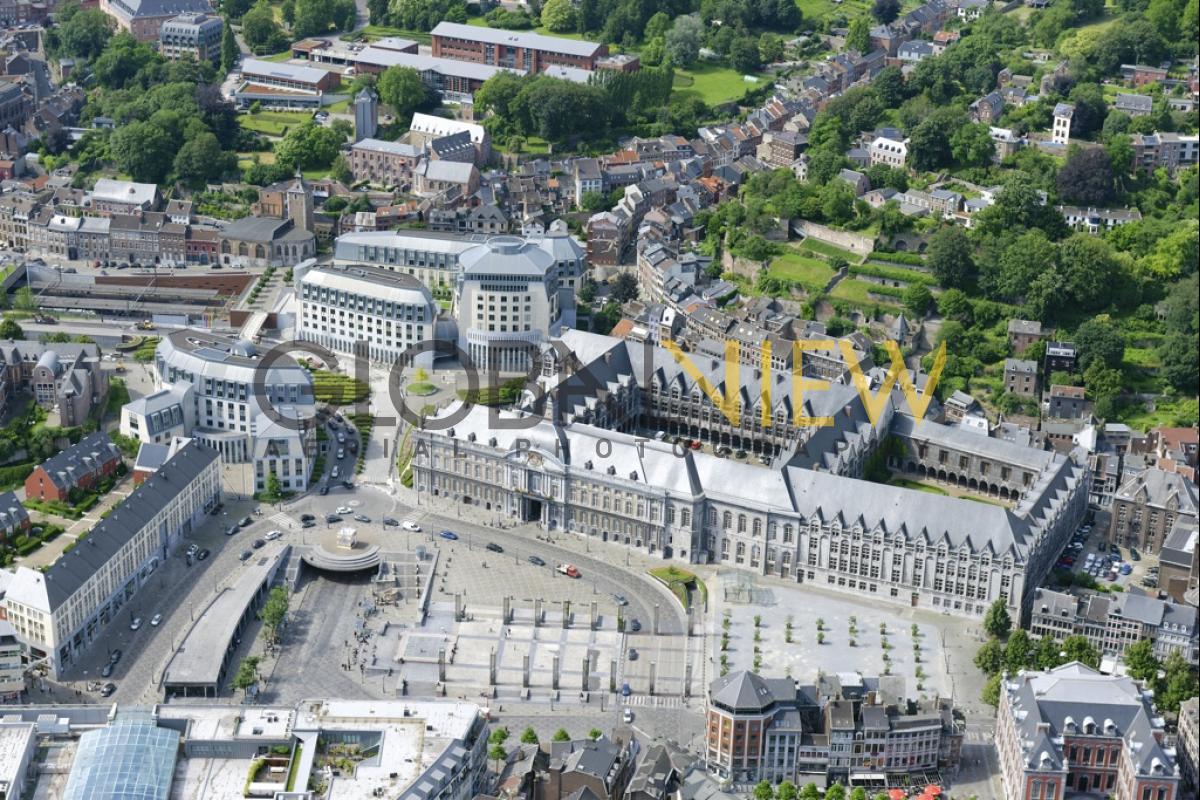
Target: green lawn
[(905, 483), (810, 272), (863, 294), (278, 57), (273, 123), (713, 84), (1182, 412), (825, 249)]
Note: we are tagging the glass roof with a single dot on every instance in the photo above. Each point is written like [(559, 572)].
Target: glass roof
[(131, 759)]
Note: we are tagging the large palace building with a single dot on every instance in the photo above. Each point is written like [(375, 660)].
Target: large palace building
[(578, 463)]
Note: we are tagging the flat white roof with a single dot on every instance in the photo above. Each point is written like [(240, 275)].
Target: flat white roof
[(14, 740), (291, 72)]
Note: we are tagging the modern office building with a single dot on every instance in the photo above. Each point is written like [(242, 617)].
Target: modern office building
[(362, 310), (508, 302), (12, 665), (1072, 730), (194, 35), (247, 408), (845, 728), (60, 611)]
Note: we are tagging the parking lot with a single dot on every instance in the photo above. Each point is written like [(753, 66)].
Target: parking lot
[(1090, 553)]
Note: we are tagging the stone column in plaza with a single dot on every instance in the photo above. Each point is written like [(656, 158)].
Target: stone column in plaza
[(507, 609), (612, 675), (525, 671), (653, 675), (687, 681), (566, 615), (492, 668), (586, 672), (554, 673), (442, 664), (537, 612), (458, 607), (595, 618), (655, 619)]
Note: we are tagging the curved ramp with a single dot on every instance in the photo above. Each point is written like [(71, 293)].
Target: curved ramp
[(356, 560)]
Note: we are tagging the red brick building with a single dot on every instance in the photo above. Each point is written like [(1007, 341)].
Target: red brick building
[(532, 52), (1073, 730), (80, 466)]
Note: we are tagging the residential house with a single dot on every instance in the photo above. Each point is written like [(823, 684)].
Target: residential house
[(1022, 333), (1020, 377), (80, 466)]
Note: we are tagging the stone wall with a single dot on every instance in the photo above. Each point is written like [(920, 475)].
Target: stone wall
[(854, 242)]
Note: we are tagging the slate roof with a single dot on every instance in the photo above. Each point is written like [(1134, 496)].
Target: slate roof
[(536, 41), (141, 9), (88, 455), (12, 513), (1160, 486), (47, 591), (745, 690)]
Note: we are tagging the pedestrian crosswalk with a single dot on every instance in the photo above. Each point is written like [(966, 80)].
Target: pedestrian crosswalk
[(653, 701), (284, 520)]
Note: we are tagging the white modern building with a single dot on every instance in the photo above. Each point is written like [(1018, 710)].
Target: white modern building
[(1060, 133), (365, 311), (159, 417), (59, 612), (247, 407), (508, 302)]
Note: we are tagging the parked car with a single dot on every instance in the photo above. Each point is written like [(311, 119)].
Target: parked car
[(1126, 569), (306, 517), (335, 473), (451, 535), (537, 562), (231, 530), (155, 620), (362, 518), (324, 489), (245, 556), (627, 716), (108, 689), (625, 690), (569, 570), (114, 656), (308, 523), (331, 518), (258, 544), (1134, 554), (135, 624), (246, 522), (633, 654), (203, 554), (273, 535), (193, 548), (107, 671), (343, 510), (495, 548), (390, 522), (634, 625)]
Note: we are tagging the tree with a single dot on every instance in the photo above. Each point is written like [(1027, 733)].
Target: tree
[(929, 146), (786, 790), (763, 790), (1078, 648), (625, 287), (683, 40), (558, 16), (9, 329), (85, 34), (402, 89), (810, 792), (859, 37), (144, 150), (1018, 651), (498, 735), (1140, 661), (260, 30), (990, 658), (972, 146), (529, 736), (497, 753), (744, 56), (917, 299), (1086, 178), (885, 11), (229, 49), (997, 622), (377, 11), (247, 673), (1178, 683), (561, 735), (991, 691), (1177, 356), (889, 86), (202, 159), (950, 257), (1090, 110), (1099, 340), (308, 146), (835, 792)]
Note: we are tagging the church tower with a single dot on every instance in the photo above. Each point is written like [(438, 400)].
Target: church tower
[(299, 201), (366, 115)]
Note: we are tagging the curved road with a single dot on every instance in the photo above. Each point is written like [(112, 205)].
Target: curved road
[(641, 591)]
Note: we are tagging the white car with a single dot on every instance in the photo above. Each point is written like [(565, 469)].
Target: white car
[(157, 618), (342, 510), (273, 535), (627, 715), (412, 526), (137, 623), (336, 472)]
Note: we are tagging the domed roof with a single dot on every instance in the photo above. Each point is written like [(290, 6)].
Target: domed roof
[(244, 347), (506, 255)]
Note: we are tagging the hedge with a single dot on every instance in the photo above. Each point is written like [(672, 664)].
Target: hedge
[(15, 474), (911, 259)]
